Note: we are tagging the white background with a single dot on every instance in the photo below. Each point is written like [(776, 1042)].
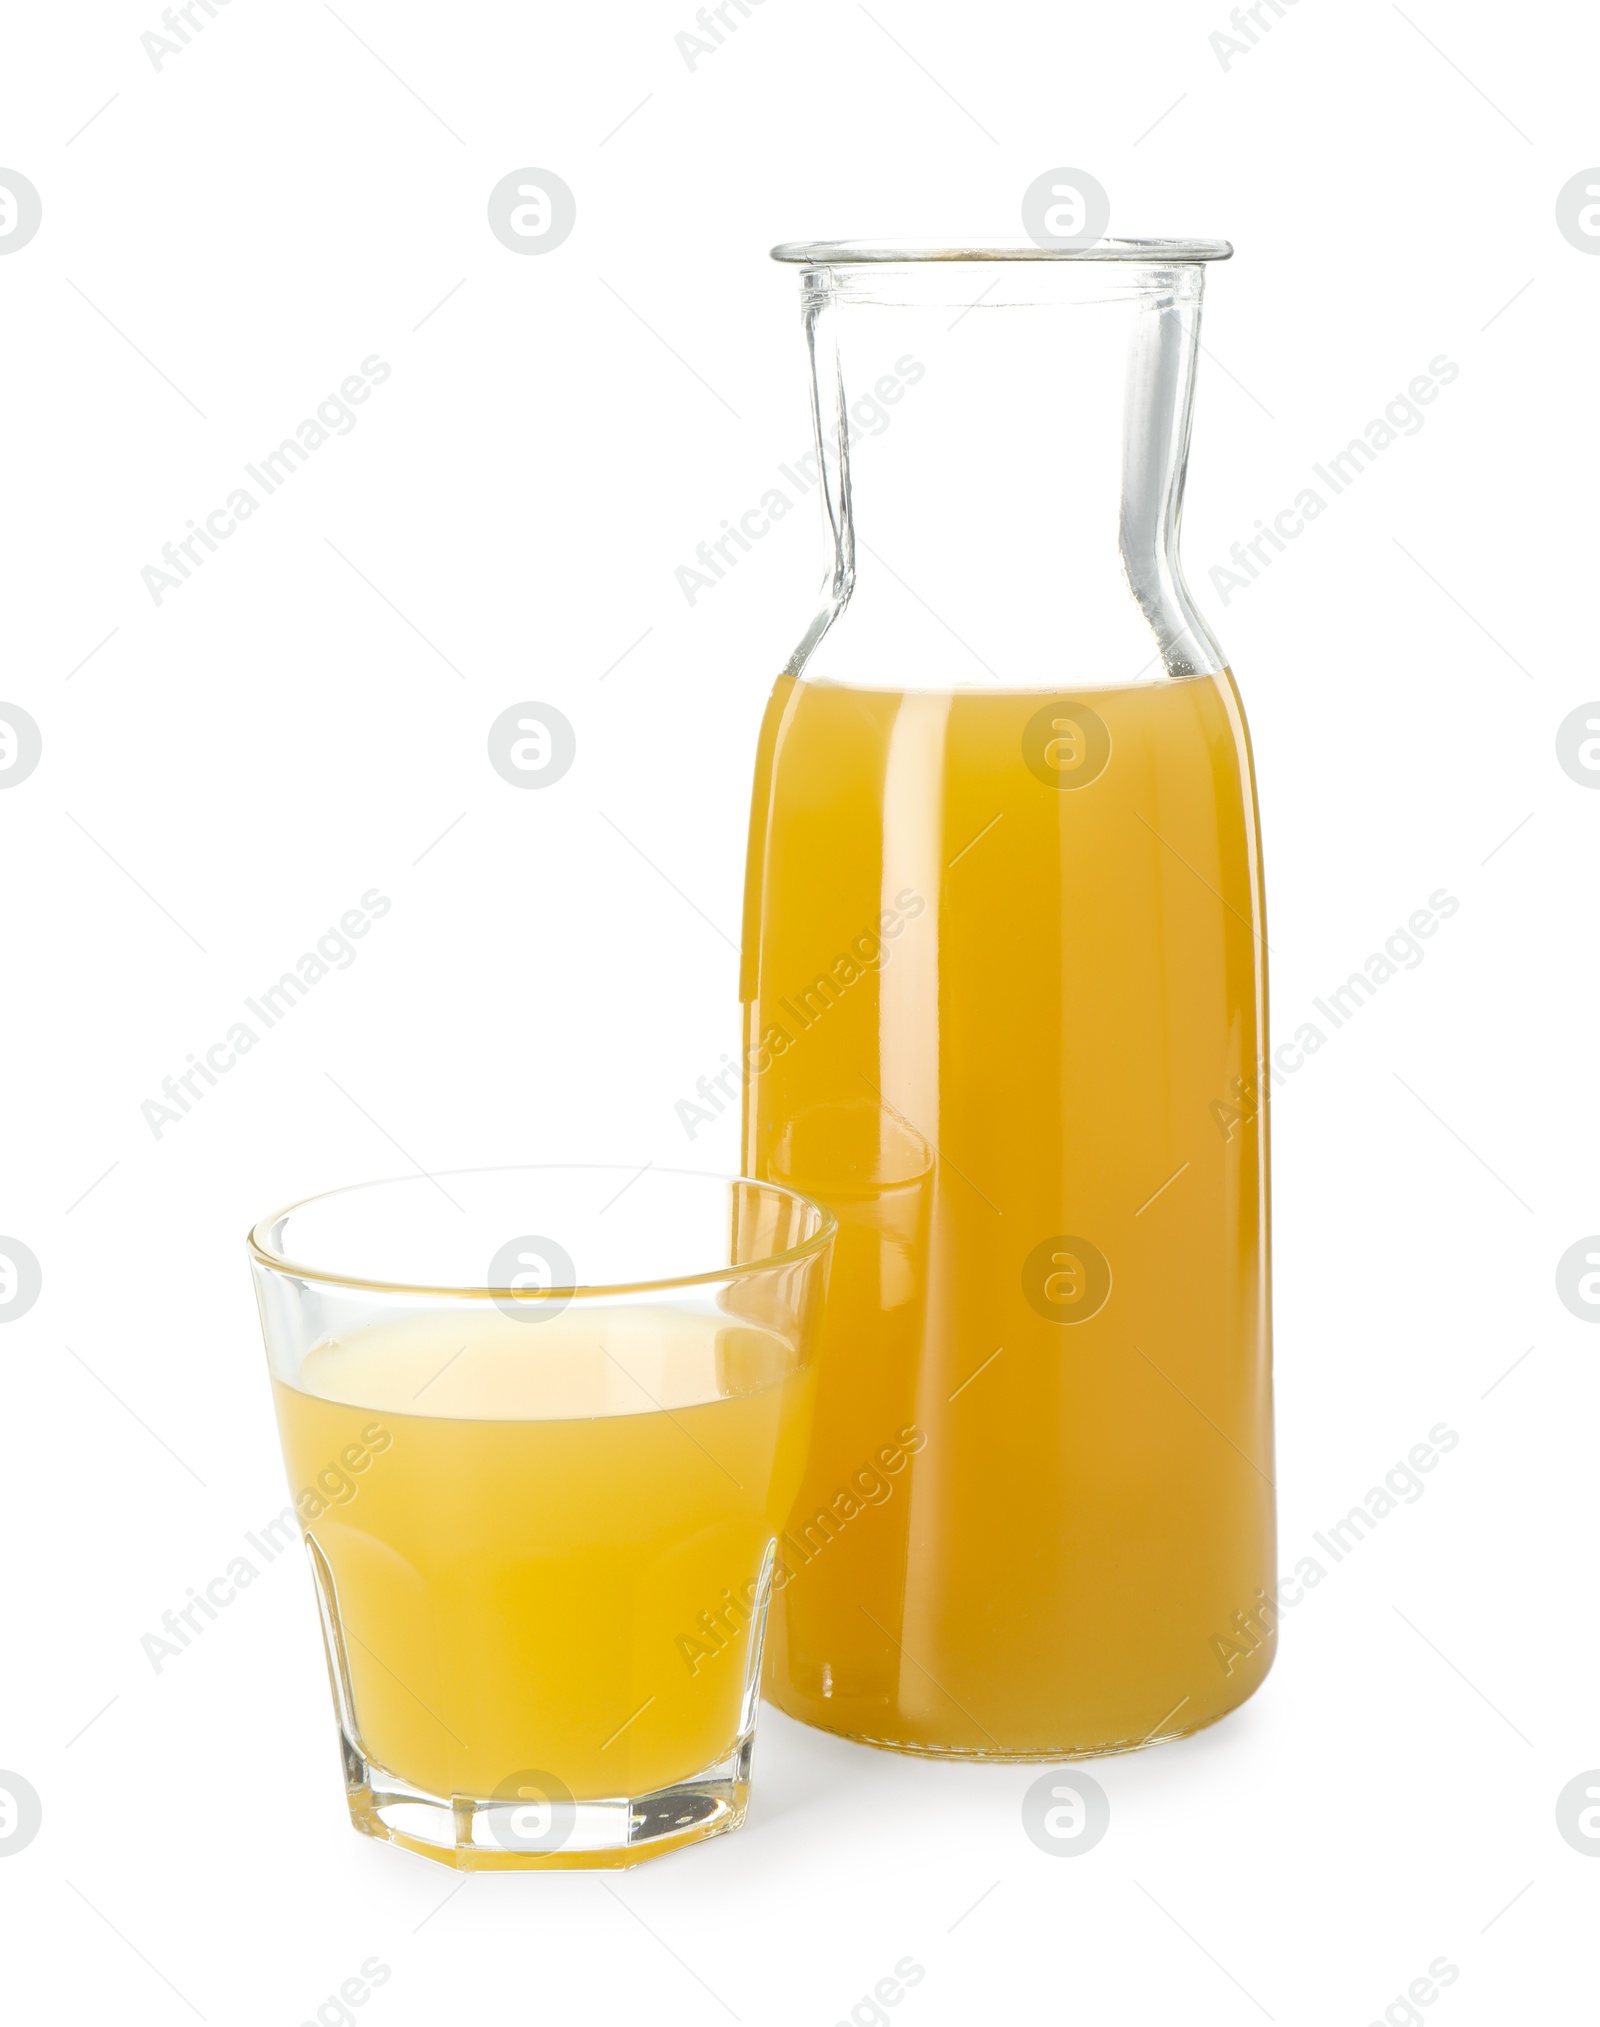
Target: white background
[(227, 772)]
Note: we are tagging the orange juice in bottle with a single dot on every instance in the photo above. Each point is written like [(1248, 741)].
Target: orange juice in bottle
[(1005, 999)]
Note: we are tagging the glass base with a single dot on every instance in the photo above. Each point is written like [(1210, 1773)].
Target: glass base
[(1177, 1724), (494, 1834), (1025, 1756)]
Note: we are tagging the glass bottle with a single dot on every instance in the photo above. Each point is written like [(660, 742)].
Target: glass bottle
[(1004, 976)]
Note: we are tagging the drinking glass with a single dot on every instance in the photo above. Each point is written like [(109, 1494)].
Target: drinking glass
[(542, 1427)]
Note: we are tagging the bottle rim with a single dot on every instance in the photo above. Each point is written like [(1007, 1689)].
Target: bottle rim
[(866, 252)]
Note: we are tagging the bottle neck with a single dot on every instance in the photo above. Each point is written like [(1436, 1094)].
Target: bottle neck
[(1002, 454)]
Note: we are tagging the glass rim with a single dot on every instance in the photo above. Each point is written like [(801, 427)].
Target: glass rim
[(265, 1255), (867, 252)]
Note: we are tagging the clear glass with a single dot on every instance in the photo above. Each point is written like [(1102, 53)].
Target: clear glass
[(1004, 978), (542, 1426), (1020, 526)]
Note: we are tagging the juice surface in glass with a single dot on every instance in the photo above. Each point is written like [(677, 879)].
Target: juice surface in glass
[(545, 1544), (1005, 1007)]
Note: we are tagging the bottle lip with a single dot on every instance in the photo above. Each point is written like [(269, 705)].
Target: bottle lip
[(867, 252)]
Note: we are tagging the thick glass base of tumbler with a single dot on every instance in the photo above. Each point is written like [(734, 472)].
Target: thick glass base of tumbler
[(486, 1834)]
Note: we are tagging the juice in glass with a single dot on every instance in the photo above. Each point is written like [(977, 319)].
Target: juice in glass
[(545, 1547)]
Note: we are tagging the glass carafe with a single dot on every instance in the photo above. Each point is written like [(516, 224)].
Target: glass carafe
[(1005, 997)]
